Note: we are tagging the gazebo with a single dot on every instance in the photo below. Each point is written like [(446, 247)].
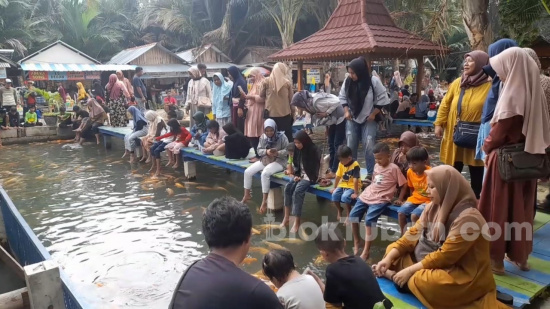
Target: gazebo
[(359, 28)]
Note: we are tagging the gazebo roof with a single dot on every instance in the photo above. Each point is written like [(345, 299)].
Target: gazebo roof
[(358, 27)]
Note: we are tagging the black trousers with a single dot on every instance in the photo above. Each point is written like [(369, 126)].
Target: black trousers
[(285, 124), (476, 176)]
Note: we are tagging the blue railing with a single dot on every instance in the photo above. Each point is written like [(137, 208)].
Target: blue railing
[(27, 249)]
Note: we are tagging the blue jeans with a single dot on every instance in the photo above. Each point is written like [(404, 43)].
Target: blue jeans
[(294, 196), (342, 195), (157, 149), (366, 133), (484, 130), (374, 211), (336, 137)]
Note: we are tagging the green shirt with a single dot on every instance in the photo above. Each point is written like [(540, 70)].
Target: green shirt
[(31, 117)]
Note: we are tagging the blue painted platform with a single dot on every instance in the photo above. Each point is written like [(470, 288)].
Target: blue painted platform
[(413, 122), (523, 286)]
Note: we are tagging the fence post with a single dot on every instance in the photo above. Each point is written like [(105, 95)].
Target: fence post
[(44, 284), (3, 235)]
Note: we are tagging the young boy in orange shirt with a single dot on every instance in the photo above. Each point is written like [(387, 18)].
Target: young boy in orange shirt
[(417, 181)]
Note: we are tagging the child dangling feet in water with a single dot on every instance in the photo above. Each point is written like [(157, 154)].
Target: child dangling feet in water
[(177, 133)]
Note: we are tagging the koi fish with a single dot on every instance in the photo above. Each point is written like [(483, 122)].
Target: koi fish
[(249, 260), (264, 227), (189, 210), (255, 232), (206, 188), (11, 180), (274, 246), (146, 198), (40, 177), (297, 241), (179, 185), (53, 165), (319, 260), (169, 191), (260, 275), (259, 250)]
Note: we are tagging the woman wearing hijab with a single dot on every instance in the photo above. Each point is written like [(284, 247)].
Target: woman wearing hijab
[(444, 259), (307, 162), (362, 97), (407, 141), (199, 93), (236, 145), (253, 125), (156, 127), (277, 92), (326, 110), (117, 94), (237, 99), (475, 85), (126, 82), (220, 99), (520, 116), (140, 130), (272, 150), (82, 94), (491, 101), (97, 118), (544, 80), (97, 90), (199, 130)]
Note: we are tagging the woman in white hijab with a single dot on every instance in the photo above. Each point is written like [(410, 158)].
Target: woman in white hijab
[(521, 116)]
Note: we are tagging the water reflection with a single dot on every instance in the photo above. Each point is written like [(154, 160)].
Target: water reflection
[(124, 239)]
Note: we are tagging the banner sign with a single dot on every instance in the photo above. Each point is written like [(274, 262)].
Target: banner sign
[(38, 75), (57, 75), (313, 73), (3, 73), (93, 75), (75, 75)]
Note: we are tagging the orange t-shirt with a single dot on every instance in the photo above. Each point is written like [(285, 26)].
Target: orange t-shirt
[(419, 187)]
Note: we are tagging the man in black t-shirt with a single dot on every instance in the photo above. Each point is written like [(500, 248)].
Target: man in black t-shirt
[(217, 282), (350, 281)]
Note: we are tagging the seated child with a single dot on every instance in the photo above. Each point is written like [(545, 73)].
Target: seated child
[(214, 139), (177, 133), (63, 118), (174, 148), (199, 130), (15, 118), (294, 289), (376, 197), (236, 145), (399, 157), (417, 181), (31, 118), (290, 167), (346, 185), (350, 282)]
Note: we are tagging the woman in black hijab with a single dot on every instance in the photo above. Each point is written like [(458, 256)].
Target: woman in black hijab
[(237, 99), (306, 165), (362, 97)]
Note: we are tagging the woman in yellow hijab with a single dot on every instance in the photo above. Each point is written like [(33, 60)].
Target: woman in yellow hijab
[(82, 94)]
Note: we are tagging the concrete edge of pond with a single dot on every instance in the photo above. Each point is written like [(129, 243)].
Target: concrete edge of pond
[(35, 134)]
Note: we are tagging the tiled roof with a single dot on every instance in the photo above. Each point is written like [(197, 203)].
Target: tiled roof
[(358, 27)]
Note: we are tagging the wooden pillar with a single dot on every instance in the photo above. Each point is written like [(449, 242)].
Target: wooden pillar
[(419, 75), (300, 75)]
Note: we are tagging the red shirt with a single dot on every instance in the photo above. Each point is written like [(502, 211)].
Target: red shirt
[(184, 136), (170, 100)]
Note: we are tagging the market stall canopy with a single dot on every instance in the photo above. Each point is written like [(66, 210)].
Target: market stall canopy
[(165, 71), (73, 67), (358, 28)]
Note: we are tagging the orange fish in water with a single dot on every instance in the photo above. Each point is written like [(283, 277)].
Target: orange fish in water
[(319, 260), (169, 191), (99, 284), (274, 246), (259, 250), (40, 177), (255, 232), (189, 210), (179, 185), (249, 260), (146, 198), (260, 275), (217, 188), (146, 188)]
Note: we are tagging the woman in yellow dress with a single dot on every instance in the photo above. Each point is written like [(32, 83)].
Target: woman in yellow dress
[(444, 258), (475, 84)]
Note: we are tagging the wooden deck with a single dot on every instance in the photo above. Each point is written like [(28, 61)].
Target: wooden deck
[(523, 286)]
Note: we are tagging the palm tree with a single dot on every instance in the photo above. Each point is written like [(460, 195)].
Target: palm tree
[(523, 20), (285, 13)]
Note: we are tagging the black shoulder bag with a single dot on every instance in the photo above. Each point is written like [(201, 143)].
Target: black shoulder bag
[(171, 306), (465, 133)]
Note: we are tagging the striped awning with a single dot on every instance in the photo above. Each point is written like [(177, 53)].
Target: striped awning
[(64, 67), (4, 65)]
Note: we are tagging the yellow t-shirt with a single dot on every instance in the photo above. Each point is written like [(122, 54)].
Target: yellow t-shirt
[(347, 174), (419, 185)]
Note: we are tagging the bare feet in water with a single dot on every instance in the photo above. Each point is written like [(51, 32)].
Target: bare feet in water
[(169, 163), (294, 229), (285, 223), (175, 166), (126, 152)]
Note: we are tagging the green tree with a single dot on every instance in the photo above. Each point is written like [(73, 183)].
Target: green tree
[(522, 20)]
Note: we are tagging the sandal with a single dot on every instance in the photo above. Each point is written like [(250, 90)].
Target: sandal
[(522, 267), (497, 271)]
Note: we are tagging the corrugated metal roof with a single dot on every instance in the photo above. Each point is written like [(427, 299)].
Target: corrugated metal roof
[(164, 68), (187, 55), (63, 67), (56, 43), (4, 65), (357, 27), (127, 55)]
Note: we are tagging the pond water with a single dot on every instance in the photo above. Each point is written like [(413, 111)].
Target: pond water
[(124, 239)]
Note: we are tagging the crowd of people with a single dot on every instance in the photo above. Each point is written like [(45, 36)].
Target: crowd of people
[(440, 259)]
